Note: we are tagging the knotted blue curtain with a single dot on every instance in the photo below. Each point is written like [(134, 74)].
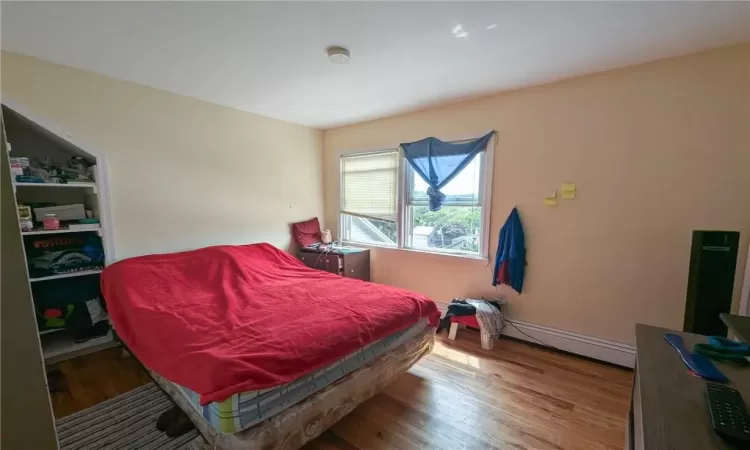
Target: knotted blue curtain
[(438, 162)]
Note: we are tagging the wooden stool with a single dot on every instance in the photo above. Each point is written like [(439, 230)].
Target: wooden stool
[(470, 321)]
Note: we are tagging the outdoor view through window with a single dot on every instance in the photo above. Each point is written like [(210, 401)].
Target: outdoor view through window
[(457, 225), (455, 228)]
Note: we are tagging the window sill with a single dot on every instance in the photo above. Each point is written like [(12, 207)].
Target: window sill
[(484, 259)]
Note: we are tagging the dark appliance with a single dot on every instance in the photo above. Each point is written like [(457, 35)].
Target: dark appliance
[(713, 260)]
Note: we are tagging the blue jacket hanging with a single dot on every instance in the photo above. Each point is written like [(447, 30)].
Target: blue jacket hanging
[(510, 259)]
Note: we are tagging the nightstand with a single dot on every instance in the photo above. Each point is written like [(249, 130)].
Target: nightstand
[(349, 262)]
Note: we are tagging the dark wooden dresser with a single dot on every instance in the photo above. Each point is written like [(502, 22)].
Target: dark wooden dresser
[(350, 263), (669, 410)]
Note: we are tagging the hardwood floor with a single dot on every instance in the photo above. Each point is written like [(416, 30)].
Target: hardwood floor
[(515, 396), (93, 378)]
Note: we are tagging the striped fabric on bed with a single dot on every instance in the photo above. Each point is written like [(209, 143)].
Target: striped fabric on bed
[(246, 409)]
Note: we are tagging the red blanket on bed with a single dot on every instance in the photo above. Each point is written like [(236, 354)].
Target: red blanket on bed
[(228, 319)]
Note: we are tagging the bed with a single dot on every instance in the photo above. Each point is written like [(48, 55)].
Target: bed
[(259, 350), (307, 419)]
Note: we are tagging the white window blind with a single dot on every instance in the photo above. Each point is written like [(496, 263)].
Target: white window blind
[(368, 185)]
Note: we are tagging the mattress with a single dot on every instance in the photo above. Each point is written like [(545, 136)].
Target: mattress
[(307, 419), (245, 409)]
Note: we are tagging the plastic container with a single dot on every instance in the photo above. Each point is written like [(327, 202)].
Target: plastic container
[(51, 222), (62, 212), (27, 225), (19, 166)]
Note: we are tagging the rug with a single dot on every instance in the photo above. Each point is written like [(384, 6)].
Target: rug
[(125, 422)]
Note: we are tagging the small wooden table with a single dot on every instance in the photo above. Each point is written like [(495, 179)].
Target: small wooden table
[(669, 409), (348, 262)]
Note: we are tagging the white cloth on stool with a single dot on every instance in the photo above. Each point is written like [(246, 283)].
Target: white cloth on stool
[(490, 318)]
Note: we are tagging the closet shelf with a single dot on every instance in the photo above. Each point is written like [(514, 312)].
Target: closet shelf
[(58, 346), (66, 275), (61, 230), (51, 330), (32, 139), (79, 184)]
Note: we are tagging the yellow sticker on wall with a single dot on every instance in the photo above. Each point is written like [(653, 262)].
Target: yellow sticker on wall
[(568, 191), (550, 199)]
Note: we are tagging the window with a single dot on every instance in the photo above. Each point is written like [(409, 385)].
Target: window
[(368, 198), (457, 226), (384, 202)]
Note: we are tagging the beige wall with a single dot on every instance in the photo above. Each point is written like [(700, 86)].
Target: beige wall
[(656, 150), (183, 173)]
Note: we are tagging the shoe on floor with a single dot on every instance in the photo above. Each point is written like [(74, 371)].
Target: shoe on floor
[(179, 426), (55, 380), (167, 417), (99, 329)]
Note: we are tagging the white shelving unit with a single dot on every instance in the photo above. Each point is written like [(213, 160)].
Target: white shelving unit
[(34, 138), (81, 273), (51, 330), (86, 185), (61, 345), (60, 231)]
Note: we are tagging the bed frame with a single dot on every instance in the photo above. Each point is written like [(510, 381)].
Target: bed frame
[(303, 422)]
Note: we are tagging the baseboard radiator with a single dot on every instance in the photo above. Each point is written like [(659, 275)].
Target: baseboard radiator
[(599, 349), (579, 344)]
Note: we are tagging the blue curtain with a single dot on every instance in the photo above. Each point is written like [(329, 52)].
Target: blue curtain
[(438, 162)]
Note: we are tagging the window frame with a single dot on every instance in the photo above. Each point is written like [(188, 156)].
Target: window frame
[(404, 178), (342, 219), (408, 203)]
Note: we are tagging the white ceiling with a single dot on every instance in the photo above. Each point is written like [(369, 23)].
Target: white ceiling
[(269, 58)]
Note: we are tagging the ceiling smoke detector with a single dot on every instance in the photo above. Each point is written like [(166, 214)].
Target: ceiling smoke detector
[(338, 55)]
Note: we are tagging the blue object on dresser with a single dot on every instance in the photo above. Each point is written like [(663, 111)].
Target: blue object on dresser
[(695, 362)]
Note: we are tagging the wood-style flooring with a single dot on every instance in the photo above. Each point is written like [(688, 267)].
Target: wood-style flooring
[(516, 396), (93, 378)]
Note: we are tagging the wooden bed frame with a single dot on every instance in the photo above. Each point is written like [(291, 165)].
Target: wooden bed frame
[(306, 420)]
